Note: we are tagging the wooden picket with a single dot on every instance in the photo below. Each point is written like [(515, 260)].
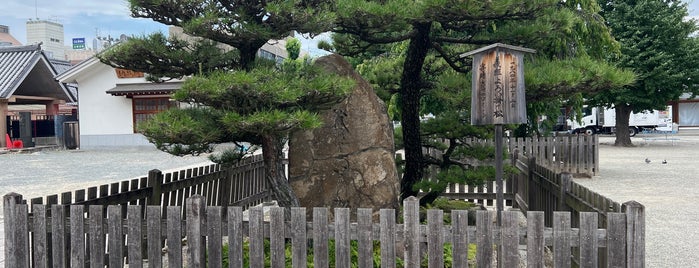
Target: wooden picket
[(136, 239), (243, 184)]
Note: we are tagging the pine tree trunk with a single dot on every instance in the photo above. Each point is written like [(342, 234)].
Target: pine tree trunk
[(247, 58), (411, 86), (272, 156), (623, 137), (248, 53)]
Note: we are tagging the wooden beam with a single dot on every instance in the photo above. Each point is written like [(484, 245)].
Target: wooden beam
[(3, 121), (14, 98)]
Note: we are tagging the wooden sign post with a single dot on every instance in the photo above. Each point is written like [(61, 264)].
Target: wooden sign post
[(497, 96)]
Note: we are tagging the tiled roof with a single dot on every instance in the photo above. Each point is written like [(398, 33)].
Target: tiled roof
[(15, 64), (60, 65)]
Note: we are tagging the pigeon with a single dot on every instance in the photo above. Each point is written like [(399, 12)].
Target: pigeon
[(647, 161), (664, 161)]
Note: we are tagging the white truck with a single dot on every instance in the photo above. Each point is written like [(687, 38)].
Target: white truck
[(603, 120)]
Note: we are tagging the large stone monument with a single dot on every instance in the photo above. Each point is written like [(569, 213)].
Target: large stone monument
[(349, 161)]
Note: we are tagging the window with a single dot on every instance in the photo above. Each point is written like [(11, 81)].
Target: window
[(145, 108)]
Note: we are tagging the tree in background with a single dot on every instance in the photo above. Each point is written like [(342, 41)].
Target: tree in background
[(409, 51), (233, 97), (293, 47), (656, 43)]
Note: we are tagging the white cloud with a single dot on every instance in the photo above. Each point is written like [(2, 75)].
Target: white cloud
[(63, 10), (80, 18)]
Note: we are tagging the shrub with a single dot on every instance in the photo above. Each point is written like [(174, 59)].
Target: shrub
[(354, 253)]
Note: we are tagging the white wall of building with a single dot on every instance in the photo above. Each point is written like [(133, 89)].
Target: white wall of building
[(105, 120), (689, 114), (101, 113)]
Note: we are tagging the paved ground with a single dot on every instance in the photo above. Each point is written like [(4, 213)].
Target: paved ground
[(669, 191), (48, 172)]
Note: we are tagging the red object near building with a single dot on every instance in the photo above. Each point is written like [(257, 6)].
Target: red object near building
[(17, 144), (8, 141)]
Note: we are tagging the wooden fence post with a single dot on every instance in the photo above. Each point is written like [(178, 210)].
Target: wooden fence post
[(484, 238), (342, 238), (514, 178), (224, 190), (196, 214), (561, 239), (532, 189), (564, 188), (596, 155), (299, 237), (16, 231), (387, 237), (635, 233), (155, 180), (115, 232), (58, 236), (535, 238), (411, 223)]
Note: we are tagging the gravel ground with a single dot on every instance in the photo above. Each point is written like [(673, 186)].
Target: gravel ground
[(49, 172), (669, 191)]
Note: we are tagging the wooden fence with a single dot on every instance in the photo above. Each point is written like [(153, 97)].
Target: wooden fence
[(542, 189), (576, 154), (247, 185), (243, 184), (547, 185), (80, 239), (484, 195), (539, 188)]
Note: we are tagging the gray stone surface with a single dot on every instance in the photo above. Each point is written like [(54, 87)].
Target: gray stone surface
[(669, 192), (348, 162)]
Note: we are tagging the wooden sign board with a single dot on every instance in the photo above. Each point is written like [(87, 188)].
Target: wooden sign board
[(497, 89), (123, 73)]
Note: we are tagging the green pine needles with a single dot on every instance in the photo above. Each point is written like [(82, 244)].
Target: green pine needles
[(240, 106)]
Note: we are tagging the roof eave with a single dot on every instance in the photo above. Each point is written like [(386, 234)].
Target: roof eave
[(23, 75), (498, 45), (70, 75)]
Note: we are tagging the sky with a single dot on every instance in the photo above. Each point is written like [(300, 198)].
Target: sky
[(86, 18)]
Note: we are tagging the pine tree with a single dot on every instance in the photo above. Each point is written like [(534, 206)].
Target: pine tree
[(234, 98), (415, 48), (657, 44)]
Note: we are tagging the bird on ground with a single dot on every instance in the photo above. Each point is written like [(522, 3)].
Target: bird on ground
[(664, 161), (647, 161)]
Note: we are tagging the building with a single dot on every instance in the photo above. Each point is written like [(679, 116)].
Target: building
[(685, 111), (113, 101), (272, 50), (6, 39), (27, 78), (49, 34), (75, 56)]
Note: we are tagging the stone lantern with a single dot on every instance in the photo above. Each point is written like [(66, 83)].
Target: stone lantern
[(497, 96)]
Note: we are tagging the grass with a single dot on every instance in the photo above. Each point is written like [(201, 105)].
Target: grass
[(448, 256)]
